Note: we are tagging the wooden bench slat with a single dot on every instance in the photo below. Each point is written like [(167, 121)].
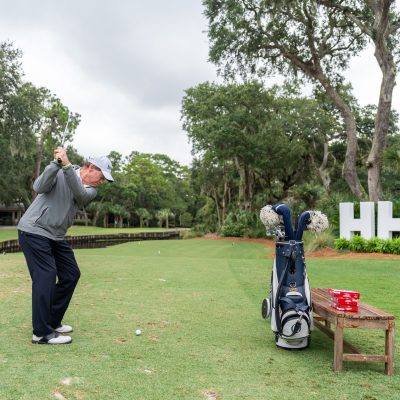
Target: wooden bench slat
[(364, 358)]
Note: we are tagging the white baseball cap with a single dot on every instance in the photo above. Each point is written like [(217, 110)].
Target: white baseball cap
[(104, 164)]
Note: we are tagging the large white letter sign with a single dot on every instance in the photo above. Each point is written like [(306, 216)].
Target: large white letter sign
[(386, 223), (365, 224)]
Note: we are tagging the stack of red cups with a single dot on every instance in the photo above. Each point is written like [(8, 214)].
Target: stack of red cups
[(344, 300)]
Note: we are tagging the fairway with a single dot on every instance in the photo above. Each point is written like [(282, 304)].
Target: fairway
[(198, 304)]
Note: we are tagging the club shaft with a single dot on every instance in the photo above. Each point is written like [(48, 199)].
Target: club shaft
[(63, 136)]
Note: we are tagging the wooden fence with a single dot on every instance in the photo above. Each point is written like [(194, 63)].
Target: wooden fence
[(96, 241)]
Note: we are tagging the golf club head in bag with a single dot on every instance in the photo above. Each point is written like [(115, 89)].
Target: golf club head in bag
[(289, 302)]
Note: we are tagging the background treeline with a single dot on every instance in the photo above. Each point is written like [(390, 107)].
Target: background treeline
[(257, 146), (252, 146), (149, 189)]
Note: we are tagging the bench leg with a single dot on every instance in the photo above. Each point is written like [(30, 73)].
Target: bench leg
[(327, 324), (389, 349), (338, 346)]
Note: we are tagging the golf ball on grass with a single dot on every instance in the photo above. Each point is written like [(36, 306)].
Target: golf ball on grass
[(138, 332)]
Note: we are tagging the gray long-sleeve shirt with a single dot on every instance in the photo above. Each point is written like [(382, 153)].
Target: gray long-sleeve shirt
[(60, 195)]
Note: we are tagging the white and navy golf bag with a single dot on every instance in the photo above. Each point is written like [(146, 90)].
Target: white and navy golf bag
[(289, 302)]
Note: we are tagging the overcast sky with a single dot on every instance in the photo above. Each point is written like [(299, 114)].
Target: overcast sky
[(124, 66)]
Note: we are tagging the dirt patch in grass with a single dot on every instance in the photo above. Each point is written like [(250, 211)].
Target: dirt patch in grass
[(158, 324), (210, 394), (324, 253), (57, 395)]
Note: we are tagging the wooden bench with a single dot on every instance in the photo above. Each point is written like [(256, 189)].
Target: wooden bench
[(368, 317)]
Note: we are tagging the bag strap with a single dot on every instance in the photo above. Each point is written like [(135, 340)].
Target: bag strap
[(277, 317), (296, 307)]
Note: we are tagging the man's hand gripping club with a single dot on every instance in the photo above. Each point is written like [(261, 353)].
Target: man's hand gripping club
[(61, 156)]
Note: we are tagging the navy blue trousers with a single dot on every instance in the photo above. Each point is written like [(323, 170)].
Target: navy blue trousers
[(54, 274)]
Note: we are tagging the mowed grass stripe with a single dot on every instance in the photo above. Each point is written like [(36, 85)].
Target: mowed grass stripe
[(197, 303)]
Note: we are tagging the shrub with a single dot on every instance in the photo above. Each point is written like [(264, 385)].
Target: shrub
[(242, 223), (185, 219), (342, 244), (233, 229), (396, 246), (329, 205), (387, 246), (192, 233), (206, 217), (375, 245), (357, 243), (313, 242), (202, 229), (257, 231)]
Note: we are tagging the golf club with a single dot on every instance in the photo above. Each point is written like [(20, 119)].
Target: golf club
[(63, 136)]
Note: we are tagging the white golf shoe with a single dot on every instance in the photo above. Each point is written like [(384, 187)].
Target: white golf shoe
[(56, 339), (64, 329)]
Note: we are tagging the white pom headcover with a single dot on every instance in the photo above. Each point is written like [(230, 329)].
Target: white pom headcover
[(318, 222), (269, 217)]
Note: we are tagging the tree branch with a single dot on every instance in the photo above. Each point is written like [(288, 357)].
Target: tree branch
[(310, 32), (349, 13), (348, 46)]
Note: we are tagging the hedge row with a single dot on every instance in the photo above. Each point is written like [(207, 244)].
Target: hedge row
[(375, 245)]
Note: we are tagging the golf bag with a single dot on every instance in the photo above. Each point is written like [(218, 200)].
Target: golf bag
[(289, 302)]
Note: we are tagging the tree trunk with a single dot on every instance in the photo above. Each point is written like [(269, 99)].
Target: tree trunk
[(383, 55), (217, 207), (287, 183), (226, 195), (225, 200), (240, 170), (38, 160), (95, 216), (85, 216), (39, 155), (250, 188), (322, 170), (349, 171), (245, 185)]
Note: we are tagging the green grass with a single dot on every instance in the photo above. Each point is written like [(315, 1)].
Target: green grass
[(8, 233), (198, 305), (12, 233)]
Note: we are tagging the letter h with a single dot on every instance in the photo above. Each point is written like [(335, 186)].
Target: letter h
[(365, 224), (386, 223)]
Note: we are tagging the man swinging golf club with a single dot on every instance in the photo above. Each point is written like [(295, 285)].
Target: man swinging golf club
[(62, 189)]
